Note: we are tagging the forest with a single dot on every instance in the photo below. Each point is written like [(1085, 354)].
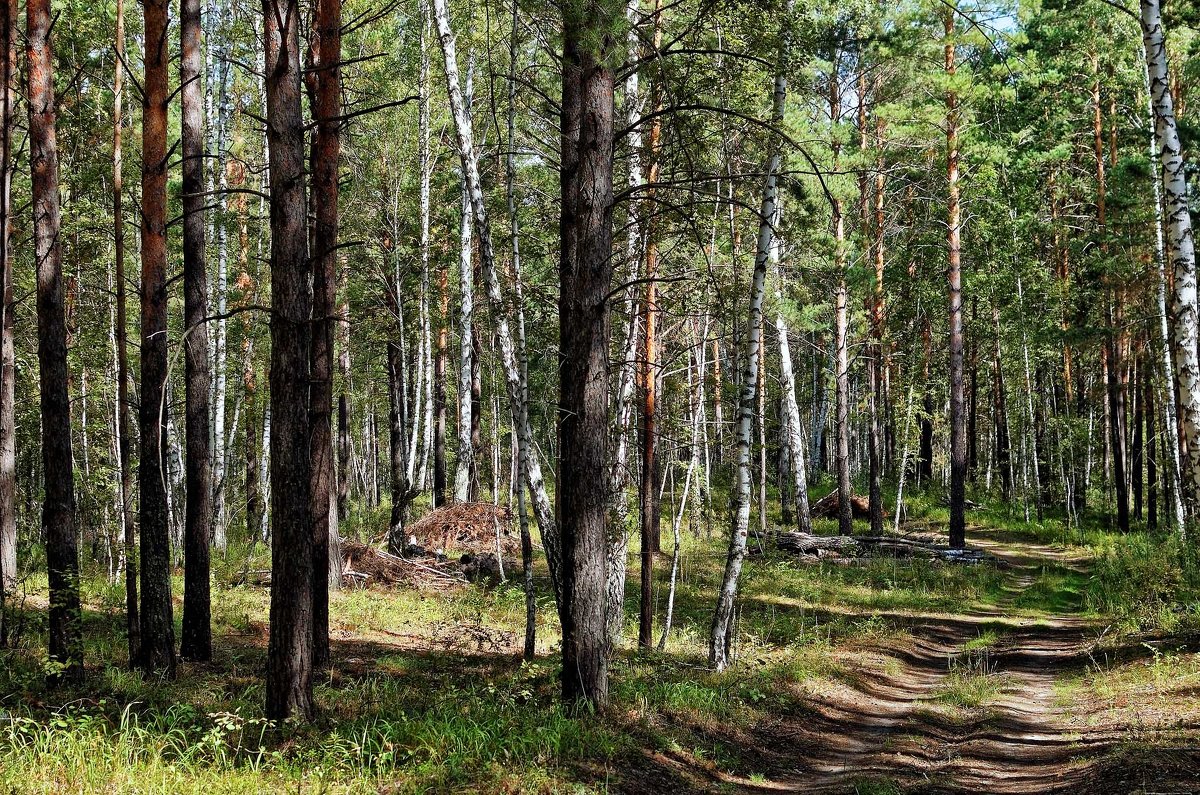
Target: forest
[(638, 396)]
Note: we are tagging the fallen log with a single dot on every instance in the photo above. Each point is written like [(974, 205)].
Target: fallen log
[(812, 547), (805, 544)]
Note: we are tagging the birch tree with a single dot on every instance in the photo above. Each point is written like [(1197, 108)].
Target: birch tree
[(721, 635), (1181, 251)]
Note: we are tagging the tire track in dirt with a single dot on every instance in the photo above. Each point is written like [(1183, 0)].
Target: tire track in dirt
[(887, 725)]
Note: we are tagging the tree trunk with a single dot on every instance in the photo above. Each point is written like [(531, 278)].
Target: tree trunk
[(402, 491), (465, 466), (158, 630), (958, 431), (289, 651), (651, 535), (512, 359), (1180, 245), (196, 633), (1151, 459), (792, 430), (326, 563), (1137, 453), (58, 510), (1000, 412), (925, 446), (585, 273), (9, 33), (841, 335), (722, 624), (133, 629)]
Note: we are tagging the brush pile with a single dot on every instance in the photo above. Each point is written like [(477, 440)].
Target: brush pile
[(364, 565), (466, 527)]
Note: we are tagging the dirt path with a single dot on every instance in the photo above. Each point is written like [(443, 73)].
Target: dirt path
[(891, 729)]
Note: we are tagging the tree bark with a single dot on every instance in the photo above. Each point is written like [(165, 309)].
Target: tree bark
[(585, 273), (289, 651), (58, 510), (133, 629), (465, 466), (651, 531), (722, 624), (1180, 246), (326, 564), (9, 33), (158, 630), (958, 431), (512, 359), (841, 334), (196, 632)]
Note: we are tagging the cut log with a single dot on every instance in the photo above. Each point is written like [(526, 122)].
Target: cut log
[(805, 544), (812, 547)]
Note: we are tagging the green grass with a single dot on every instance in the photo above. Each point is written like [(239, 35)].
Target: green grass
[(426, 693)]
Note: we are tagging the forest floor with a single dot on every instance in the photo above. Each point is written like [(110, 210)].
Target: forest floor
[(886, 676), (1002, 699)]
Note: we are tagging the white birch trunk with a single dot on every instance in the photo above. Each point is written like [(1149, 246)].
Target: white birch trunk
[(722, 624), (466, 452), (1166, 394), (792, 427), (1180, 246), (513, 375)]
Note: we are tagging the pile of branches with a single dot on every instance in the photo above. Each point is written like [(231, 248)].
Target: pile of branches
[(364, 565), (850, 548), (466, 527)]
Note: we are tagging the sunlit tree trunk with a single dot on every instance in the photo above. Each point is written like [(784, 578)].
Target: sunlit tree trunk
[(722, 625), (511, 357), (1180, 247), (196, 633), (9, 33), (465, 465), (958, 431)]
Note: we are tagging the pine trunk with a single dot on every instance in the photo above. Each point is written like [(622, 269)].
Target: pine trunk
[(58, 510), (289, 651), (158, 630), (196, 633)]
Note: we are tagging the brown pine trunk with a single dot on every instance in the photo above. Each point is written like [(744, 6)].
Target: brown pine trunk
[(196, 632), (289, 651), (8, 428), (651, 536), (958, 431), (585, 272), (58, 509), (326, 110), (158, 630)]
